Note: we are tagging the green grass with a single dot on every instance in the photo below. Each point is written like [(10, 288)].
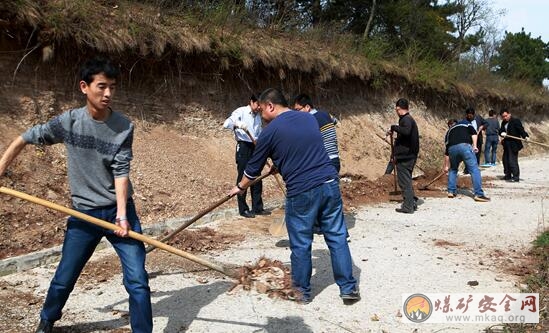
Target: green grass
[(542, 241)]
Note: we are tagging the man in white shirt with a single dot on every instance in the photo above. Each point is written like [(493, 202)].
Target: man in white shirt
[(246, 124)]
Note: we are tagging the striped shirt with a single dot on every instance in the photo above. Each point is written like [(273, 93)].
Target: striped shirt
[(326, 123)]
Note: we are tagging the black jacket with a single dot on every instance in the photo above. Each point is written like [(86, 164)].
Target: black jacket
[(513, 127), (407, 140)]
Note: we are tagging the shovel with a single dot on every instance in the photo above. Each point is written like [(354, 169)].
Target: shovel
[(278, 228), (132, 234), (200, 214), (424, 187)]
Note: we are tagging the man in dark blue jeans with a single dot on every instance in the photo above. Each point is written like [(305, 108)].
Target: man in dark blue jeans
[(98, 143), (460, 142), (295, 144)]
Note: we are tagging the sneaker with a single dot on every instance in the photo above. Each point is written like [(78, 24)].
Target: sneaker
[(350, 298), (481, 198), (451, 195), (486, 165), (493, 164), (44, 327)]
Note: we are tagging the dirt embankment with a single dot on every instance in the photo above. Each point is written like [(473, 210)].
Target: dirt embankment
[(183, 159)]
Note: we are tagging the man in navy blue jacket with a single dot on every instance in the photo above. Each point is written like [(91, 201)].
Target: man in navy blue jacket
[(294, 143)]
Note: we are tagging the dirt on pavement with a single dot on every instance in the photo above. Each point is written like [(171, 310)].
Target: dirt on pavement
[(447, 246)]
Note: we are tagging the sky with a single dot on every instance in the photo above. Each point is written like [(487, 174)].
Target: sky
[(530, 14)]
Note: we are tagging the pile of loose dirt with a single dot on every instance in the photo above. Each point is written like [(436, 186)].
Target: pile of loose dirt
[(269, 277)]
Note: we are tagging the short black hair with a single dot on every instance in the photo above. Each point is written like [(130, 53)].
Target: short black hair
[(98, 65), (274, 96), (303, 100), (253, 98), (503, 110), (491, 113), (470, 110), (402, 103)]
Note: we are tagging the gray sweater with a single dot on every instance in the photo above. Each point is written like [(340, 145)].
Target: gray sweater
[(97, 152)]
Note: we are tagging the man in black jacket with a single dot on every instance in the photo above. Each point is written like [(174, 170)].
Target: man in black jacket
[(406, 150), (479, 124), (511, 126)]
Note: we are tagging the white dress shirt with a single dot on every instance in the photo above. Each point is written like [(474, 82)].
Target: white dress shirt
[(246, 115)]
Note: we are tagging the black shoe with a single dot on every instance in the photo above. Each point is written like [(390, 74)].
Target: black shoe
[(350, 298), (512, 180), (247, 214), (481, 198), (44, 327), (262, 212), (405, 211)]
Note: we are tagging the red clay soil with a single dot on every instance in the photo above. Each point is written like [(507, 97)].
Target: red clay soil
[(32, 227)]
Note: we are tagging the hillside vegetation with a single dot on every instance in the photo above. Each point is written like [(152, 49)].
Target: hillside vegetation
[(278, 43)]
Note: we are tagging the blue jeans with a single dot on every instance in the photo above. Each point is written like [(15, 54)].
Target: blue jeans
[(81, 239), (490, 148), (323, 204), (464, 152)]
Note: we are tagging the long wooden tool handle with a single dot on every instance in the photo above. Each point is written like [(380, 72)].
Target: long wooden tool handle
[(111, 226), (278, 181), (529, 141), (434, 180), (393, 160), (200, 214)]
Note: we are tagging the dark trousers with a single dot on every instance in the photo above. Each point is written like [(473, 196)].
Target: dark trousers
[(404, 175), (336, 163), (510, 163), (244, 151)]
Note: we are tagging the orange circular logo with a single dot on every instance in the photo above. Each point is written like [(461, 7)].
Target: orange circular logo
[(418, 308)]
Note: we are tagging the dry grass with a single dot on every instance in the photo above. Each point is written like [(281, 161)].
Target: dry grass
[(226, 38)]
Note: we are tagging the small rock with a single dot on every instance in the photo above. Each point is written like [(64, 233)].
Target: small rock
[(261, 287), (202, 280), (472, 283)]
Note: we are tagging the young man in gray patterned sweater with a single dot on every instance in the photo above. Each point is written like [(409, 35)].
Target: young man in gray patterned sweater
[(98, 141)]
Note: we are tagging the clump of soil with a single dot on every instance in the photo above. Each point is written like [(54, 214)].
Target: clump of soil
[(269, 277), (204, 240)]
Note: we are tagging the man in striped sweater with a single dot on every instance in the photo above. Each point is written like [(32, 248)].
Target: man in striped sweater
[(326, 123)]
